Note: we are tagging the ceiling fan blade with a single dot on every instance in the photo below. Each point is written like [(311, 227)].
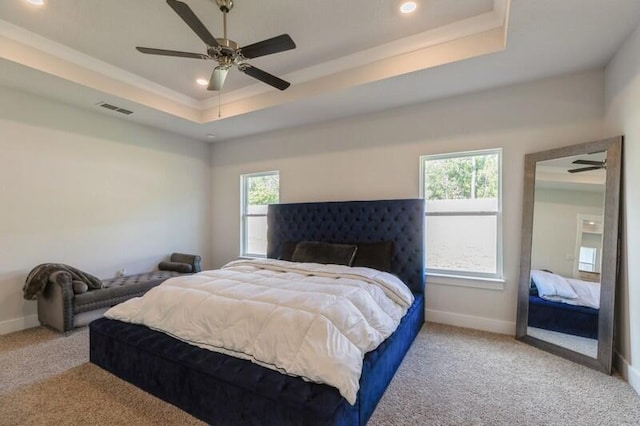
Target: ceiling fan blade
[(589, 162), (267, 47), (217, 78), (190, 18), (264, 76), (163, 52), (584, 169)]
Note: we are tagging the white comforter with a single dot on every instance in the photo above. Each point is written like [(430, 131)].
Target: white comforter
[(303, 319), (557, 288)]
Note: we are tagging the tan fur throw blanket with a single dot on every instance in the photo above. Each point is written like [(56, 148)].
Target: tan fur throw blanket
[(39, 277)]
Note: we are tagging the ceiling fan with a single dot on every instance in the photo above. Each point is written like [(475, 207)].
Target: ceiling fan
[(225, 51), (591, 165)]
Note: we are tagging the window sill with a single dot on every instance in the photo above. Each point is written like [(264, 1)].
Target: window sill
[(465, 281), (251, 256)]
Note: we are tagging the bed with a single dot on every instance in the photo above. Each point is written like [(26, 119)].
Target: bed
[(563, 305), (220, 389)]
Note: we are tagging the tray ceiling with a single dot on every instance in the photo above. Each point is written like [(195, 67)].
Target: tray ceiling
[(351, 57)]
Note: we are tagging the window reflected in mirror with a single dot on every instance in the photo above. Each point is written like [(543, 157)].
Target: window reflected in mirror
[(588, 259)]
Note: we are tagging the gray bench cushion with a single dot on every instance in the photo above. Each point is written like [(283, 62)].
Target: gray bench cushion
[(119, 289)]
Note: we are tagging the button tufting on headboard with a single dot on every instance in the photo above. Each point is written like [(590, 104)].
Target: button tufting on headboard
[(400, 221)]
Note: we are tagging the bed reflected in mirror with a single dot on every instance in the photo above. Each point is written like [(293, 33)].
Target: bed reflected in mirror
[(569, 251)]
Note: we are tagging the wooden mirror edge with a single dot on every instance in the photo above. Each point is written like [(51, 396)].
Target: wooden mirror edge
[(609, 272)]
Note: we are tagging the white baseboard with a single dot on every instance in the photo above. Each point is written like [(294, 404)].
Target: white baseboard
[(628, 372), (18, 324), (469, 321), (634, 378)]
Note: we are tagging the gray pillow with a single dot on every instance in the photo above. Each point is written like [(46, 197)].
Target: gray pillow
[(376, 255), (286, 250), (183, 268), (318, 252), (79, 287)]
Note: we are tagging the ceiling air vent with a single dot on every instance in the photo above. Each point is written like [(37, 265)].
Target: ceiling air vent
[(114, 108)]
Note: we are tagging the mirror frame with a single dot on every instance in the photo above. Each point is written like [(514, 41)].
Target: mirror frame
[(610, 255)]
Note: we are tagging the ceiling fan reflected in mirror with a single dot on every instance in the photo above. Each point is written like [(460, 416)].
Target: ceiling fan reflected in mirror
[(225, 51), (591, 165)]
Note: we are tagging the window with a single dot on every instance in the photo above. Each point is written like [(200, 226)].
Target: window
[(588, 256), (258, 190), (463, 213)]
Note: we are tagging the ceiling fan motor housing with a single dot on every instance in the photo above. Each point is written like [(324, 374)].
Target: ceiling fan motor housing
[(225, 46), (226, 53)]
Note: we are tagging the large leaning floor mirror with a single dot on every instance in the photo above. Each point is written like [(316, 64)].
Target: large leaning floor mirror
[(568, 267)]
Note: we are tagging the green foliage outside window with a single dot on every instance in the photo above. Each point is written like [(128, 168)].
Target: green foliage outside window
[(461, 178), (263, 189)]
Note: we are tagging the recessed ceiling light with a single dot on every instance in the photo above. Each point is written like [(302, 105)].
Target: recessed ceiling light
[(211, 136), (36, 2), (202, 82), (408, 7)]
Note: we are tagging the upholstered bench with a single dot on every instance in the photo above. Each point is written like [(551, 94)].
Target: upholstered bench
[(64, 306)]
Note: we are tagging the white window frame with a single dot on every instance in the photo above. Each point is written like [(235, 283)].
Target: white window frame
[(498, 276), (594, 259), (244, 192)]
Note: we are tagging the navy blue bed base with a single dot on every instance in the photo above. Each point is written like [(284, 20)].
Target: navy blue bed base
[(562, 317), (221, 390)]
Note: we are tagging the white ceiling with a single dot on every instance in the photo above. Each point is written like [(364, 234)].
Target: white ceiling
[(353, 57), (553, 174)]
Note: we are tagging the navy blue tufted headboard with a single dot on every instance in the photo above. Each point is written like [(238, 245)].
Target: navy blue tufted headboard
[(400, 221)]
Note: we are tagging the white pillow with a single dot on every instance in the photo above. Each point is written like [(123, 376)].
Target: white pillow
[(552, 285)]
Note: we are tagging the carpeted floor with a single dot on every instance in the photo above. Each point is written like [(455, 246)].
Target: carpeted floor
[(451, 376)]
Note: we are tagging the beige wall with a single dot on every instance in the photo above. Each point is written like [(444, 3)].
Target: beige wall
[(376, 157), (555, 227), (622, 82), (92, 191)]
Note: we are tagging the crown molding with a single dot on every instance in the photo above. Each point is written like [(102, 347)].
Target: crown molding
[(62, 52)]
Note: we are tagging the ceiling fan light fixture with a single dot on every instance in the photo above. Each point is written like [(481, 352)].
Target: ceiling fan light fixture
[(408, 7), (35, 2), (202, 82)]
